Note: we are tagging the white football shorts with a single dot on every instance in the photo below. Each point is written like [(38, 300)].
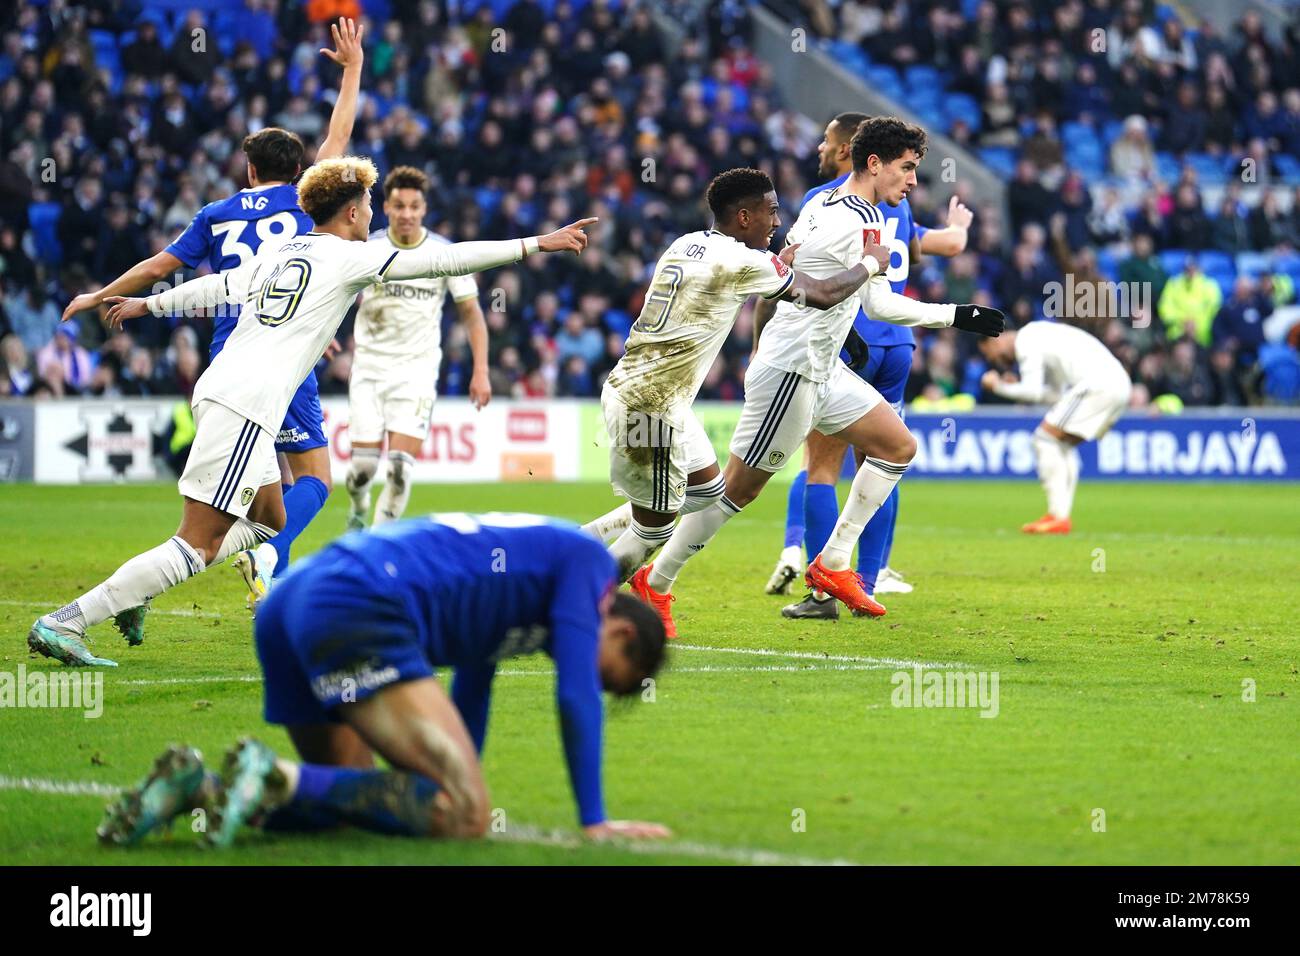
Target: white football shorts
[(782, 407), (649, 459), (403, 405), (231, 458), (1089, 411)]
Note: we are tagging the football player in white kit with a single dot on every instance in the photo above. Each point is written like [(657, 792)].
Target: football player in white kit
[(797, 382), (398, 353), (660, 457), (294, 296), (1062, 364)]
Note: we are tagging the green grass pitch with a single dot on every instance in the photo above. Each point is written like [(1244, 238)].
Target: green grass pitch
[(1124, 654)]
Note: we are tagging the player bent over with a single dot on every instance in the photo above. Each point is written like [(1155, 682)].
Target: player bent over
[(399, 351), (797, 382), (660, 457), (293, 297), (1090, 388), (348, 643)]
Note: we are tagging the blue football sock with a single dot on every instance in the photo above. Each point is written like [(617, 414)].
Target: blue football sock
[(889, 538), (384, 801), (871, 546), (821, 509), (302, 502), (794, 511)]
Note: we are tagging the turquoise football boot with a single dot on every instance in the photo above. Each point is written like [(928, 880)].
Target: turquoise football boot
[(172, 788), (130, 623), (65, 648), (251, 785)]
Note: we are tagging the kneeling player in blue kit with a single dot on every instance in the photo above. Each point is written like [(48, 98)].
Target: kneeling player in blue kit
[(348, 644)]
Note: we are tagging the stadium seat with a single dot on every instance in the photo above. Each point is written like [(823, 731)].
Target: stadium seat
[(921, 77), (1108, 264), (1167, 167), (1214, 261), (1281, 368), (1288, 167), (1172, 260), (44, 219), (1000, 159), (1254, 264), (1209, 169)]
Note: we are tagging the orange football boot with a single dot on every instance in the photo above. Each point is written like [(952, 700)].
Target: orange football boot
[(662, 603), (1047, 524), (845, 585)]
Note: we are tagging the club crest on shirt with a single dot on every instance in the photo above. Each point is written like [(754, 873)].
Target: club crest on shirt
[(776, 458), (246, 496), (781, 268)]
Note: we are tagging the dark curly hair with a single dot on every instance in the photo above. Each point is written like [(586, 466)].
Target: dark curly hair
[(887, 137), (735, 189)]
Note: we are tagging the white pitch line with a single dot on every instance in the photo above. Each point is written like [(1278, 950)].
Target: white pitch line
[(809, 656), (167, 613), (522, 833)]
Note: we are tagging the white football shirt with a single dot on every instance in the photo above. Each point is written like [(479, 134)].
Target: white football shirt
[(699, 285), (400, 323), (1054, 356), (831, 230), (293, 297)]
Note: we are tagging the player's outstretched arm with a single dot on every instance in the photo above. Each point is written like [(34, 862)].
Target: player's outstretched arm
[(143, 273), (1031, 386), (204, 292), (881, 302), (348, 54), (464, 258)]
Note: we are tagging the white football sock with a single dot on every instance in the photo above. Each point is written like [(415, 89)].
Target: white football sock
[(131, 585), (637, 543), (872, 484), (699, 497), (365, 462), (692, 534), (243, 534), (397, 489), (1058, 472), (611, 524)]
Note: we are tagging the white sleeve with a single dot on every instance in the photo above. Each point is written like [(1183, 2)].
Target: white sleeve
[(204, 292), (881, 302), (382, 263), (1032, 386), (462, 288)]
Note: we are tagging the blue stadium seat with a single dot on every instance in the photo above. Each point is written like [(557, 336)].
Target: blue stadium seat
[(960, 106), (1108, 264), (922, 77), (1281, 368), (1254, 263), (1167, 167), (1000, 159), (618, 321), (1288, 166), (1172, 260), (1209, 169), (44, 219), (1214, 261), (1226, 280)]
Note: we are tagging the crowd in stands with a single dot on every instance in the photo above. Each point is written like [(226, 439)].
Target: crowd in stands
[(120, 119)]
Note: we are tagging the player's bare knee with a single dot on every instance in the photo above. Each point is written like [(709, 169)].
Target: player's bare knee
[(905, 448)]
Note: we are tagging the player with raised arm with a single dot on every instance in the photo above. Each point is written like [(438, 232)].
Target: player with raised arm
[(1089, 387), (348, 643), (660, 457), (812, 506), (398, 353), (294, 296), (228, 233), (796, 381)]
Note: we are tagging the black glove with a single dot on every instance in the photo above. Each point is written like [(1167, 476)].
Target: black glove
[(980, 319), (858, 350)]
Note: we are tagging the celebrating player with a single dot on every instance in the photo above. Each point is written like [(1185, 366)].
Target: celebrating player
[(660, 457), (797, 382), (227, 234), (295, 295), (1062, 364), (398, 354), (348, 643), (811, 504)]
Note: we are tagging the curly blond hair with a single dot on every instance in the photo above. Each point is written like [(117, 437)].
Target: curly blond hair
[(330, 185)]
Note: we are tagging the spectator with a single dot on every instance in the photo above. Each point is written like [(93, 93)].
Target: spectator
[(1132, 156), (19, 373), (1189, 303)]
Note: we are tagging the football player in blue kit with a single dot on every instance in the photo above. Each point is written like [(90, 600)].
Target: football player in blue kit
[(226, 234), (812, 507), (348, 642)]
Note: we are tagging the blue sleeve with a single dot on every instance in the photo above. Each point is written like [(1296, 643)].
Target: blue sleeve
[(471, 692), (575, 631), (194, 244)]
